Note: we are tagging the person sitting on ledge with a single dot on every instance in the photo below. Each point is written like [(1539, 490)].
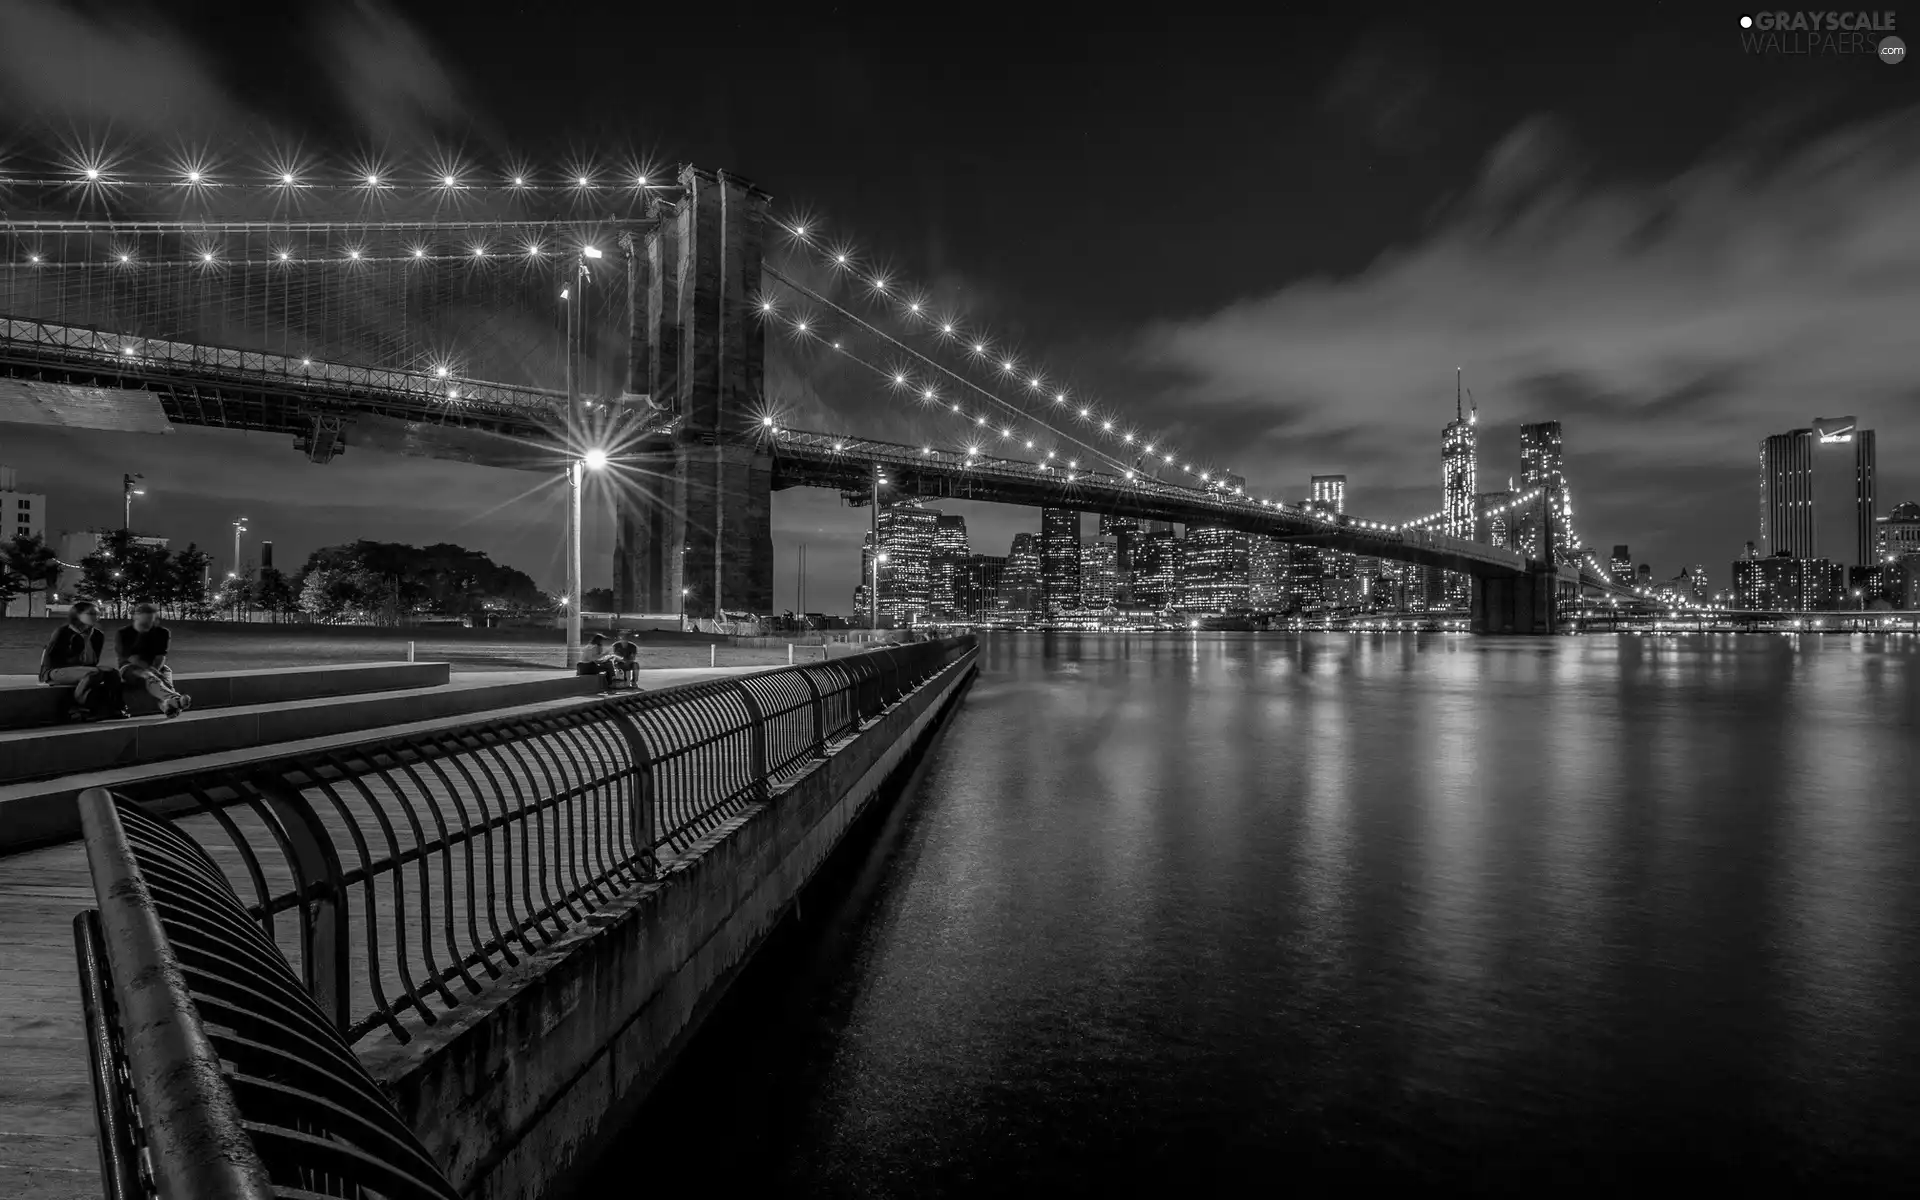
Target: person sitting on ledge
[(621, 662), (143, 649), (72, 659)]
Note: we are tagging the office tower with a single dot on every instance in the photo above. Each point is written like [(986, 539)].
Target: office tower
[(1643, 575), (1213, 568), (1099, 578), (1156, 568), (1786, 494), (266, 555), (1329, 491), (1020, 580), (947, 570), (907, 533), (1701, 588), (1125, 531), (980, 595), (1817, 492), (1459, 454), (1541, 467), (1783, 583), (1269, 567), (1059, 561), (1621, 568)]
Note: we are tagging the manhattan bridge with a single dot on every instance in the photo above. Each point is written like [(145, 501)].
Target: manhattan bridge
[(522, 321)]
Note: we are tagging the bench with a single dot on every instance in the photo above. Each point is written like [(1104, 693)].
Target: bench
[(25, 705)]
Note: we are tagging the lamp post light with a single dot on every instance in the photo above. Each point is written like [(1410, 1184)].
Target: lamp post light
[(594, 459), (239, 527), (878, 558), (129, 492)]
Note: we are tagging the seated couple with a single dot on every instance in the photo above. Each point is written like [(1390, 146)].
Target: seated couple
[(621, 662), (72, 659)]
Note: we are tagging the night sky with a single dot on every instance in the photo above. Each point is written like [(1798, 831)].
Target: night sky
[(1269, 238)]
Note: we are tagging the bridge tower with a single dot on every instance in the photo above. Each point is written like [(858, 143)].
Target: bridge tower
[(696, 537)]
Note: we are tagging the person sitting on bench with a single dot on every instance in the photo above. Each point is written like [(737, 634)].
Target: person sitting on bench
[(621, 662), (72, 659), (143, 649)]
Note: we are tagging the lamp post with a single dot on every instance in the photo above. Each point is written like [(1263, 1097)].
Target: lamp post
[(878, 558), (239, 527), (129, 491), (575, 465)]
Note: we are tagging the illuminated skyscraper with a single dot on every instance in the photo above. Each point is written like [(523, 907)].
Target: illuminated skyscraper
[(1786, 495), (1156, 569), (980, 592), (1059, 561), (1213, 568), (1897, 534), (1541, 467), (1459, 457), (1329, 492), (1020, 579), (1125, 532), (1268, 568), (1099, 576), (1492, 520), (907, 534), (947, 570)]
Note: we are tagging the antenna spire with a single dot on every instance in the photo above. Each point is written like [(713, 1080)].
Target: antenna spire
[(1457, 414)]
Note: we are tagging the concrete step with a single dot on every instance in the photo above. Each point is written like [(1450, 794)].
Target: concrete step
[(25, 702), (41, 770)]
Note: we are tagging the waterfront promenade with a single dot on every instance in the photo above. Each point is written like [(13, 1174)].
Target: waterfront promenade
[(47, 1144)]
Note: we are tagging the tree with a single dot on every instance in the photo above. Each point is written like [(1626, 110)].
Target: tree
[(325, 593), (387, 582), (27, 565), (598, 600), (124, 570), (274, 593), (186, 581)]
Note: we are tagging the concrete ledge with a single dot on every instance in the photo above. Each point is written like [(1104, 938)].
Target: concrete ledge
[(36, 704), (512, 1093), (69, 760)]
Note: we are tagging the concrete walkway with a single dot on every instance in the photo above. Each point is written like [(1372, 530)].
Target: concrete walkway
[(47, 1142)]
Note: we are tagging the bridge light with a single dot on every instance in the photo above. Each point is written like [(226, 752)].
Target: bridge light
[(1049, 454), (766, 306), (453, 393), (980, 421), (595, 459), (1029, 445), (419, 252), (286, 256), (946, 329), (582, 181), (879, 284), (193, 177), (799, 231), (353, 254), (93, 172), (800, 327), (206, 256), (127, 350), (373, 181), (1129, 474), (839, 446), (1007, 367), (592, 252), (1107, 425), (1006, 433), (306, 362), (899, 379), (956, 408), (640, 181), (126, 258), (1059, 397), (926, 449), (1128, 439), (440, 371), (519, 181), (286, 179), (979, 347), (928, 394), (841, 259), (914, 306), (33, 258), (449, 181)]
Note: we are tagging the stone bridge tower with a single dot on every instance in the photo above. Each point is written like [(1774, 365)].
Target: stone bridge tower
[(695, 536)]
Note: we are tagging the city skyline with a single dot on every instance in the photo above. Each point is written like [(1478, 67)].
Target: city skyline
[(1277, 355)]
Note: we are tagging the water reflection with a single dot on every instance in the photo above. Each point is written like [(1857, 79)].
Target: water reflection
[(1579, 914)]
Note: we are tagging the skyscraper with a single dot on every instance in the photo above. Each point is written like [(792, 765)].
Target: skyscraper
[(1020, 579), (1540, 467), (1786, 494), (1059, 561), (947, 569), (1213, 569), (1459, 464), (1330, 492), (907, 534), (1099, 577), (980, 594), (1156, 569), (1492, 524), (1125, 532), (1621, 568), (1268, 568)]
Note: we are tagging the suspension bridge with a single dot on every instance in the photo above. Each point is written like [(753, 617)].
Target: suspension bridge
[(517, 321)]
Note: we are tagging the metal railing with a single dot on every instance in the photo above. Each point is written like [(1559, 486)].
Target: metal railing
[(216, 1076), (397, 873)]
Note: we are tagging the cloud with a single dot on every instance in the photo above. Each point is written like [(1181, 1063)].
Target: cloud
[(387, 76), (1388, 90), (127, 71), (1669, 324)]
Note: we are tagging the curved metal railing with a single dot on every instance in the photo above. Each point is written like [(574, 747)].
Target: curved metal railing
[(400, 873), (216, 1074)]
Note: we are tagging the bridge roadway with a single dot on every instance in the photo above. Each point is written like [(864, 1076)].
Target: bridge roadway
[(65, 369)]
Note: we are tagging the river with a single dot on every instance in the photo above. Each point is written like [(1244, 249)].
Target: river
[(1327, 912)]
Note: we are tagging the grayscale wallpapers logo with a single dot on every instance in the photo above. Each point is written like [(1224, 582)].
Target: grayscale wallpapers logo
[(1804, 34)]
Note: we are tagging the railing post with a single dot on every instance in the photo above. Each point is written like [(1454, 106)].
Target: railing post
[(758, 742), (642, 822), (326, 957), (819, 718)]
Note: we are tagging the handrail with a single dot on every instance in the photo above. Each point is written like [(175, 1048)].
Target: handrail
[(216, 1074), (398, 874)]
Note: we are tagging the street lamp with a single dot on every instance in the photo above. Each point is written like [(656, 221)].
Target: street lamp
[(239, 527), (129, 492), (877, 560), (593, 460)]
